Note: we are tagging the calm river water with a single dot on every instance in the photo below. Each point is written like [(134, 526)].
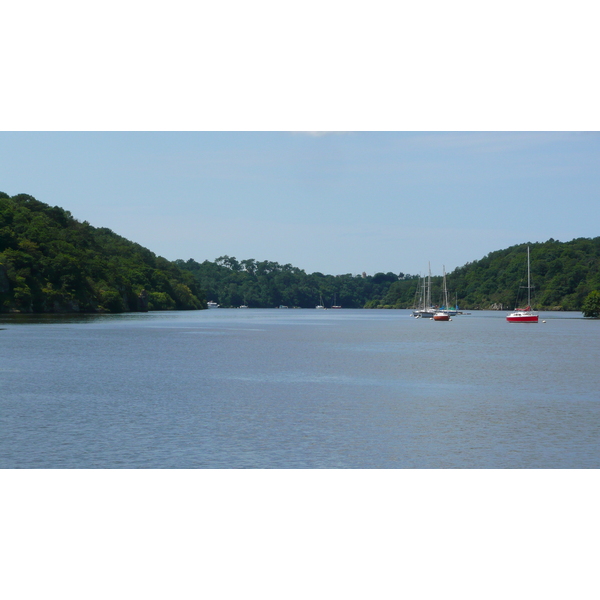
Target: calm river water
[(298, 389)]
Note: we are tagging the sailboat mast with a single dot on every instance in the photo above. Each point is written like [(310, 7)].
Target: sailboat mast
[(418, 294), (528, 279), (445, 288), (429, 286)]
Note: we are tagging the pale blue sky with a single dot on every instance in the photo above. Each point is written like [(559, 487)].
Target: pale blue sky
[(334, 202)]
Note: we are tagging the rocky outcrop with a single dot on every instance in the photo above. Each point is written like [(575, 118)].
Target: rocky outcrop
[(143, 301)]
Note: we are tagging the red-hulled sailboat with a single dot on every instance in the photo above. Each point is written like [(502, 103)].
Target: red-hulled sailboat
[(442, 314), (524, 315)]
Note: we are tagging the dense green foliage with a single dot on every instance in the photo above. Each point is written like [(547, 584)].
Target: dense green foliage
[(265, 284), (591, 305), (562, 275), (50, 262)]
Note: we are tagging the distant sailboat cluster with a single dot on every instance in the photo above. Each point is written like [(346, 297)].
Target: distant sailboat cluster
[(321, 304), (424, 307)]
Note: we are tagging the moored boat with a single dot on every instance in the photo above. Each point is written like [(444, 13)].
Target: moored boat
[(443, 314), (424, 310), (524, 315)]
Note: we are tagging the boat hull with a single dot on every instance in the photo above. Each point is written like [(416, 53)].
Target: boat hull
[(423, 314), (522, 318), (443, 317)]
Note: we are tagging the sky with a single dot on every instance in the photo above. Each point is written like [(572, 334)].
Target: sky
[(323, 201)]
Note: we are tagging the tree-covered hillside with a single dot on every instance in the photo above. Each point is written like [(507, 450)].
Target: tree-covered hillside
[(266, 284), (562, 275), (50, 262)]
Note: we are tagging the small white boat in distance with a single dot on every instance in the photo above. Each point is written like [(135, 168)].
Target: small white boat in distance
[(212, 304)]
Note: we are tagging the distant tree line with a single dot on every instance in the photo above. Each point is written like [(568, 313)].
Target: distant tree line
[(50, 262), (266, 284)]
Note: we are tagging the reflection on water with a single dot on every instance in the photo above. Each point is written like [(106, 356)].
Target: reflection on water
[(298, 389)]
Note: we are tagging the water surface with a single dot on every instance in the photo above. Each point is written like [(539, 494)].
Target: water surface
[(298, 389)]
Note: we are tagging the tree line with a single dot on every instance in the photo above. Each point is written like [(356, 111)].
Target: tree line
[(266, 284)]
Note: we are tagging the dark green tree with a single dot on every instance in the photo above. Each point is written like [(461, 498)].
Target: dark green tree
[(591, 305)]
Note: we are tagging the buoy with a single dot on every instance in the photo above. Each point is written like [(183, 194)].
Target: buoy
[(543, 321)]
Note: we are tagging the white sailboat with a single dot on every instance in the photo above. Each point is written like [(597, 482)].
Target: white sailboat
[(425, 310)]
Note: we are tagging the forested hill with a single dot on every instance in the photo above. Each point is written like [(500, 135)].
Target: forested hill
[(50, 262), (562, 275)]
